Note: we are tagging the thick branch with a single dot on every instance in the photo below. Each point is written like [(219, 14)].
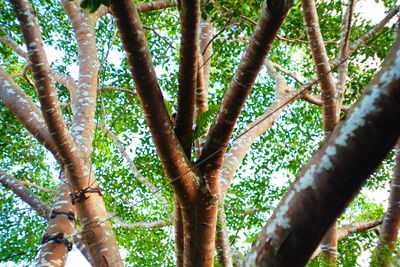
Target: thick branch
[(45, 85), (8, 41), (55, 253), (22, 106), (271, 18), (139, 59), (25, 194), (334, 174), (84, 102), (189, 52), (321, 60)]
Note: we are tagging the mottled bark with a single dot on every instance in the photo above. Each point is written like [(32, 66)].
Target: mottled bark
[(83, 103), (329, 242), (388, 235), (96, 230), (223, 245), (168, 146), (322, 66), (25, 194), (188, 68), (22, 106), (334, 174), (271, 18), (54, 253)]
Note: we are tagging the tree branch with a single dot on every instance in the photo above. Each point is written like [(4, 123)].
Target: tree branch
[(344, 52), (146, 225), (84, 102), (271, 18), (38, 187), (388, 235), (25, 194), (112, 88), (45, 85), (55, 253), (22, 106), (188, 67), (321, 61), (316, 99), (348, 157), (222, 242), (350, 229), (139, 59), (141, 7)]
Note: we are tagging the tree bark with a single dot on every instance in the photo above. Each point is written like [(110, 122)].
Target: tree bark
[(334, 174), (391, 221), (55, 253)]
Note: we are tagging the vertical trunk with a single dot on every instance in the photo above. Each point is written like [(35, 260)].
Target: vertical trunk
[(62, 226), (391, 220), (223, 244), (199, 222), (179, 242)]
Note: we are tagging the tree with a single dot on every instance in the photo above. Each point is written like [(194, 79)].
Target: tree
[(202, 120)]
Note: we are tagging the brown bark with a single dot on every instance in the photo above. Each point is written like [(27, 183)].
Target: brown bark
[(188, 68), (179, 235), (141, 7), (329, 242), (96, 230), (54, 253), (22, 106), (334, 174), (322, 66), (271, 18), (83, 101), (168, 146), (223, 245), (391, 221)]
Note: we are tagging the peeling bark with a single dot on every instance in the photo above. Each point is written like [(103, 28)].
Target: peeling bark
[(96, 230), (350, 155), (391, 221)]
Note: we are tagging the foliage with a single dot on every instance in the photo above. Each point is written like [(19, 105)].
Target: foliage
[(262, 179)]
